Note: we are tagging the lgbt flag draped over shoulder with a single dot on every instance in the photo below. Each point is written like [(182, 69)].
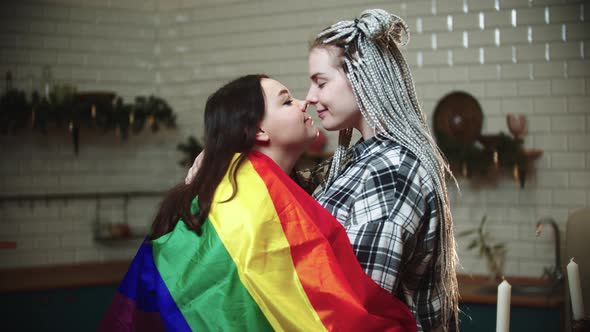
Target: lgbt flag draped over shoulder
[(269, 259)]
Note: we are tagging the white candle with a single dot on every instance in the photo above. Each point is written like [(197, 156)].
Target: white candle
[(503, 311), (573, 276)]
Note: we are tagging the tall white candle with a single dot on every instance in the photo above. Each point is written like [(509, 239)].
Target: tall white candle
[(573, 276), (503, 311)]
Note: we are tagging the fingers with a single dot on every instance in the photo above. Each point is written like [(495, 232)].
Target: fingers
[(192, 172), (189, 177), (199, 158)]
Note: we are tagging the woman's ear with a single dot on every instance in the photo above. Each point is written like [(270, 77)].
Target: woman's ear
[(261, 136)]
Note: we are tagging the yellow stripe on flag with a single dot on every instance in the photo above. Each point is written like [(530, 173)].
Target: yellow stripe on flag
[(251, 231)]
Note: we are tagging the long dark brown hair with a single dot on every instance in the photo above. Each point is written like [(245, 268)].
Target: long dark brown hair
[(232, 116)]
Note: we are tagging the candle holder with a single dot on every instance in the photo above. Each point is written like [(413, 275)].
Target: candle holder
[(581, 325)]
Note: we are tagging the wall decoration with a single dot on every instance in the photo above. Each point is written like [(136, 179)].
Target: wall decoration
[(62, 106), (191, 149), (457, 125)]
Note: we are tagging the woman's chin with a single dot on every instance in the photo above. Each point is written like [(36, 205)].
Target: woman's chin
[(330, 125)]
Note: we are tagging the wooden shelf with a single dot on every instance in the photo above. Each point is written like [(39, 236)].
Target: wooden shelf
[(533, 154), (469, 286), (62, 276)]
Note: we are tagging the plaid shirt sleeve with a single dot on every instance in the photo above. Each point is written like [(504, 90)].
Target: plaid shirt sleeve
[(392, 224)]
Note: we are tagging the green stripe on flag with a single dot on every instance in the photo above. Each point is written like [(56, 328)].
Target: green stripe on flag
[(204, 282)]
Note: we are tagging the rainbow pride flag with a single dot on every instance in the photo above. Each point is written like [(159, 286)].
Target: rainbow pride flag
[(270, 259)]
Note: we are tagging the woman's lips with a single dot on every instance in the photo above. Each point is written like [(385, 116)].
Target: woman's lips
[(322, 113)]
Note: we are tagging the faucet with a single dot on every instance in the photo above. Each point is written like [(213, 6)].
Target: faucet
[(554, 273)]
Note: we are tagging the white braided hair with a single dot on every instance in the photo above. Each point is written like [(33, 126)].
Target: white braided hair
[(384, 91)]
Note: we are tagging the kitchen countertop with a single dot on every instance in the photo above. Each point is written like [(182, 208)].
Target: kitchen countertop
[(62, 276), (97, 274), (469, 291)]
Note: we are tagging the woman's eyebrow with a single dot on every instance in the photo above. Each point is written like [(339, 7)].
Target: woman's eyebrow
[(315, 76)]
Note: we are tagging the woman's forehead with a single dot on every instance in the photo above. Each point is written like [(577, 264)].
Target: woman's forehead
[(324, 57), (272, 88)]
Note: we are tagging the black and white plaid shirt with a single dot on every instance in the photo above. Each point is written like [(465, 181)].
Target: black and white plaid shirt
[(387, 202)]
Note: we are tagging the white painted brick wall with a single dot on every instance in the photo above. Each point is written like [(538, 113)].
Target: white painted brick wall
[(98, 47), (534, 88), (519, 105), (515, 71), (568, 160), (183, 50)]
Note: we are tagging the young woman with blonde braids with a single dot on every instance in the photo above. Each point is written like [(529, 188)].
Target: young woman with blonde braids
[(388, 190)]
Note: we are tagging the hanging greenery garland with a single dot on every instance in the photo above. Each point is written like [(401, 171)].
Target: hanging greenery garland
[(64, 107), (191, 149)]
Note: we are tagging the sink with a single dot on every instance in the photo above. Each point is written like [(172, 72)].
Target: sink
[(522, 290)]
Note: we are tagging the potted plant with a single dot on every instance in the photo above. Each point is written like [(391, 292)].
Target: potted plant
[(493, 253)]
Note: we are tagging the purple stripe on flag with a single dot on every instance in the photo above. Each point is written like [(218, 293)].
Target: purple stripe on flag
[(143, 302)]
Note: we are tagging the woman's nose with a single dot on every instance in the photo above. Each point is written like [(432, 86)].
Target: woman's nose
[(311, 97)]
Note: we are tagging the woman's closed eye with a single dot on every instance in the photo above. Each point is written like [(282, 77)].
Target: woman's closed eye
[(288, 102)]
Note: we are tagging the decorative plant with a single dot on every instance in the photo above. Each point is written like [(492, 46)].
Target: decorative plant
[(457, 125), (491, 152), (493, 253), (191, 149), (104, 111), (63, 106)]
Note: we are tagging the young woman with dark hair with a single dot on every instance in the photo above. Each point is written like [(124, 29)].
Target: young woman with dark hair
[(235, 122)]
